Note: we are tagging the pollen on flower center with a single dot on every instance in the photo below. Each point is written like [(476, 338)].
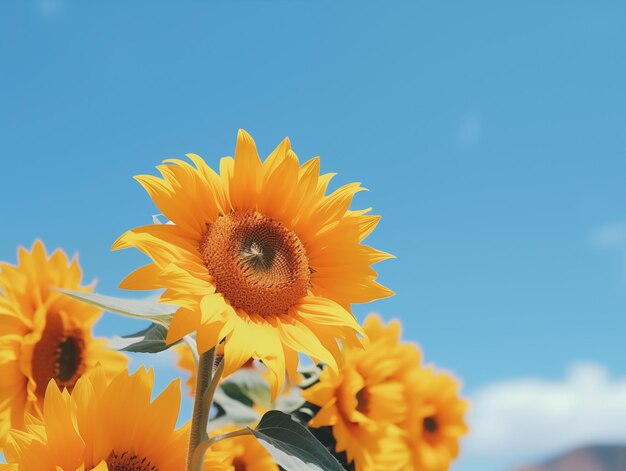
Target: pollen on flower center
[(128, 462), (58, 355), (258, 264)]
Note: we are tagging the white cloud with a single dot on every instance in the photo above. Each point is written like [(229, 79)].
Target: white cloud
[(534, 417), (610, 235), (470, 131), (50, 8)]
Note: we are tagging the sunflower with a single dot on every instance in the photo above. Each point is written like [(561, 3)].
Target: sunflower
[(435, 421), (244, 453), (258, 255), (104, 426), (365, 402), (44, 335)]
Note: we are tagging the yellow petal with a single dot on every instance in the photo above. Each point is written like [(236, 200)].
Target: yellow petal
[(184, 322)]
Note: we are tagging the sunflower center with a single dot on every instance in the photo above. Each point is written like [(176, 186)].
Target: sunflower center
[(128, 462), (430, 424), (362, 398), (239, 465), (259, 265), (57, 355), (68, 359)]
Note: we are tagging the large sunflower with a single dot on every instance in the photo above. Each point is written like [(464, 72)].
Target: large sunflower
[(44, 335), (259, 256), (365, 402), (435, 422), (105, 426)]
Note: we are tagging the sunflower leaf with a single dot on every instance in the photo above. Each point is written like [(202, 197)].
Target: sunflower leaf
[(290, 401), (231, 411), (148, 340), (146, 309), (248, 386), (292, 446)]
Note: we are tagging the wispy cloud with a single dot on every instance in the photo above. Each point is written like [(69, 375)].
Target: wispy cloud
[(529, 418), (50, 9), (469, 131), (610, 235)]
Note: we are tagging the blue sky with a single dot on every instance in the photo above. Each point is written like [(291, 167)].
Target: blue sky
[(492, 137)]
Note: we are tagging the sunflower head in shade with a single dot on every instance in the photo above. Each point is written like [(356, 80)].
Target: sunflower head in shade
[(44, 335)]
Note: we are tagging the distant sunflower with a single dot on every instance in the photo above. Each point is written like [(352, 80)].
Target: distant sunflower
[(365, 401), (436, 419), (259, 256), (244, 453), (105, 426), (44, 335)]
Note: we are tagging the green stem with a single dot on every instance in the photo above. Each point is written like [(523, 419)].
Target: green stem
[(200, 416), (203, 402), (206, 444), (210, 391)]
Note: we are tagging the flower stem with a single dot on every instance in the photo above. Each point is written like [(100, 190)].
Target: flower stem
[(210, 391), (201, 407), (204, 445)]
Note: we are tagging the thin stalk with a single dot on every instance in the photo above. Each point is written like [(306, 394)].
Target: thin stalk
[(215, 381), (204, 445), (200, 416), (197, 455)]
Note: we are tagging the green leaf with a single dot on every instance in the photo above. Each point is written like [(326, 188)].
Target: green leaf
[(311, 375), (248, 385), (289, 402), (148, 340), (231, 412), (292, 446), (146, 309)]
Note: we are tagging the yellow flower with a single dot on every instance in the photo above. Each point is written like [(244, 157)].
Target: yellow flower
[(259, 256), (244, 453), (44, 335), (435, 422), (105, 426), (365, 401)]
